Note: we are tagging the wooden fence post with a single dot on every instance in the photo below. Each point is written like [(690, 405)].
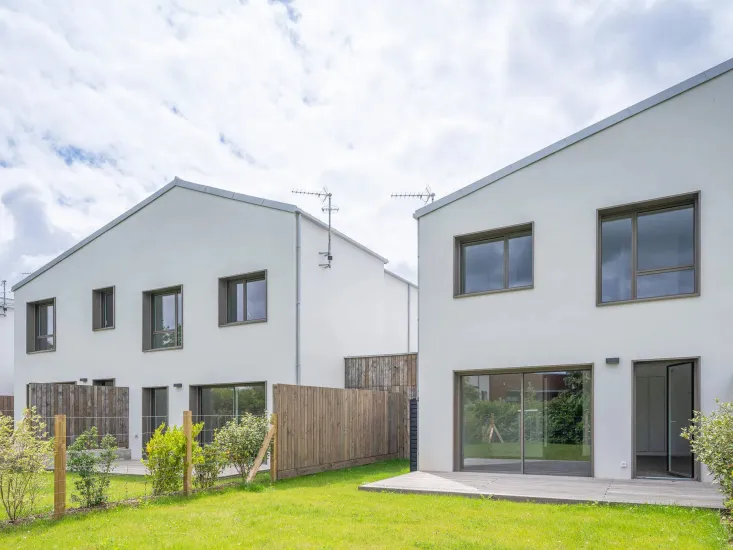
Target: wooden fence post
[(59, 466), (187, 464), (273, 454)]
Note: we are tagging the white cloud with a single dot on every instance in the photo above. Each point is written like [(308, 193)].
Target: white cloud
[(101, 103)]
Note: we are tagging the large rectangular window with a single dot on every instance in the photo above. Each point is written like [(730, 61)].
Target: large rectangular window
[(649, 250), (41, 326), (494, 261), (155, 411), (217, 405), (243, 298), (535, 422), (163, 319)]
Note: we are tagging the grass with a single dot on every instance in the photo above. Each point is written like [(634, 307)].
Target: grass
[(551, 451), (327, 511)]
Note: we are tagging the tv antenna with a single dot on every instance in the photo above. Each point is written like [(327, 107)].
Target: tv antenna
[(324, 195), (426, 196)]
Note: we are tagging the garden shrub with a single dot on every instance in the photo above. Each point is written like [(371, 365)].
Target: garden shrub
[(166, 453), (241, 439), (711, 439), (25, 451), (208, 465), (91, 459)]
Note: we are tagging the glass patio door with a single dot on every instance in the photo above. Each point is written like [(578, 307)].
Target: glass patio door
[(680, 404), (527, 422)]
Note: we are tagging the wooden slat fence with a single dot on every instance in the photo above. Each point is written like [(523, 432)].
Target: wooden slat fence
[(6, 405), (393, 373), (106, 407), (321, 429)]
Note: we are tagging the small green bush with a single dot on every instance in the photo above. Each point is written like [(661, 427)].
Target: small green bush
[(208, 465), (91, 459), (241, 439), (25, 450), (166, 453), (711, 439)]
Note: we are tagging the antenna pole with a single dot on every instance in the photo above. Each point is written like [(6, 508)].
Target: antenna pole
[(324, 195)]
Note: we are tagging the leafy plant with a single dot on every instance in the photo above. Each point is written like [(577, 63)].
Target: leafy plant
[(241, 439), (91, 459), (166, 453), (24, 453), (208, 465), (711, 439)]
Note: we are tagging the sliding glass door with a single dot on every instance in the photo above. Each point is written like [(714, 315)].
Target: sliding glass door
[(527, 422)]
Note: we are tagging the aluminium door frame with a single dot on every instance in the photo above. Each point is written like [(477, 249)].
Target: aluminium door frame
[(668, 420), (696, 377), (458, 407)]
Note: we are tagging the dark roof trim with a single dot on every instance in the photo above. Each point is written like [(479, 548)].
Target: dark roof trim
[(193, 187), (578, 136), (400, 278)]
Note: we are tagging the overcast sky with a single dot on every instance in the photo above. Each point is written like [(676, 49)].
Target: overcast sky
[(102, 103)]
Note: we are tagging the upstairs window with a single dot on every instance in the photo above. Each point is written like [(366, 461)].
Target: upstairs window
[(103, 314), (41, 326), (163, 319), (649, 250), (243, 298), (494, 261)]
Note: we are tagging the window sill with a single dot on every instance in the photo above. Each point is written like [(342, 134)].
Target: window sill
[(497, 291), (100, 329), (641, 300), (237, 323), (171, 348), (40, 351)]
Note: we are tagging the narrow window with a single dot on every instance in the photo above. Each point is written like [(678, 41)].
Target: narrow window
[(41, 326), (103, 302), (163, 319), (494, 260), (649, 250), (243, 298)]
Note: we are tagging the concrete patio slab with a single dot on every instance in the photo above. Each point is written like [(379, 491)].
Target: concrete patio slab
[(554, 489)]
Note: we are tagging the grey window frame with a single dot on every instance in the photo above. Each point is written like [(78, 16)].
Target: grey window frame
[(244, 278), (32, 325), (103, 382), (148, 313), (99, 307), (492, 235), (633, 211)]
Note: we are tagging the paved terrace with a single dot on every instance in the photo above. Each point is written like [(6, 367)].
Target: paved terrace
[(554, 489)]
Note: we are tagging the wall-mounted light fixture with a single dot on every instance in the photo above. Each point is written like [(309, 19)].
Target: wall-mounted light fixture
[(178, 386), (612, 360)]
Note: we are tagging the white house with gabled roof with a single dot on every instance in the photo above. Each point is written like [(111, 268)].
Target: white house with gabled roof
[(202, 299), (575, 306)]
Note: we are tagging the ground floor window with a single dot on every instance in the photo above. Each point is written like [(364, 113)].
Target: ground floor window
[(217, 405), (155, 411), (534, 422)]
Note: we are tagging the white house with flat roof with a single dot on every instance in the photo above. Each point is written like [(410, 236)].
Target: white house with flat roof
[(200, 299), (575, 306)]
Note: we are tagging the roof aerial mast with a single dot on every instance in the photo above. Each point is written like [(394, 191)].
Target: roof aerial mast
[(324, 195), (425, 196)]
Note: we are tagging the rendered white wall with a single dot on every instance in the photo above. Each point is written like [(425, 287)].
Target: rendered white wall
[(680, 146), (6, 352), (414, 321), (396, 323), (184, 237), (342, 312)]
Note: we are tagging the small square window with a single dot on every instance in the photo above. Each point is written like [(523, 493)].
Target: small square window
[(103, 314), (494, 261), (243, 299), (41, 326)]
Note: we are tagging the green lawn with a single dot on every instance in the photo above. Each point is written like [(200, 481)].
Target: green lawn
[(327, 511), (552, 451)]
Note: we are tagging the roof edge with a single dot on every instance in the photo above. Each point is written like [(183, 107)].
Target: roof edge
[(595, 128), (400, 278), (322, 225)]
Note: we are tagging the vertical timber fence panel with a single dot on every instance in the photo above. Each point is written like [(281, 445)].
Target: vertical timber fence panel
[(105, 407), (392, 373), (319, 429)]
